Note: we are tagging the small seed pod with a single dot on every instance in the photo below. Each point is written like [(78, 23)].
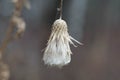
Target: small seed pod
[(58, 52), (20, 24)]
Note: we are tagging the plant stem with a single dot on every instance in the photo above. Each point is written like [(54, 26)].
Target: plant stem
[(61, 8)]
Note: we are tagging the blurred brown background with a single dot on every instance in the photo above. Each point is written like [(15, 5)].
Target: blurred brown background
[(93, 22)]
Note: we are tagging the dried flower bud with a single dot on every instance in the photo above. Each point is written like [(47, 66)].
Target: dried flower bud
[(20, 24), (58, 52)]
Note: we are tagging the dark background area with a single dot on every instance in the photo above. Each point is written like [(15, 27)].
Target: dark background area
[(96, 23)]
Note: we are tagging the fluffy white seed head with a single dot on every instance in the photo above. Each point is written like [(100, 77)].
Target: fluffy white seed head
[(57, 52)]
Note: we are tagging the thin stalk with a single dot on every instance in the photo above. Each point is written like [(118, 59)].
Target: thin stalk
[(61, 8)]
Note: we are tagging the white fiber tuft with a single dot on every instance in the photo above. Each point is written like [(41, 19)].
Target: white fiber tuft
[(58, 52)]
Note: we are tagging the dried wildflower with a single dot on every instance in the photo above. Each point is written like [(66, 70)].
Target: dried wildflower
[(57, 52), (17, 21)]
